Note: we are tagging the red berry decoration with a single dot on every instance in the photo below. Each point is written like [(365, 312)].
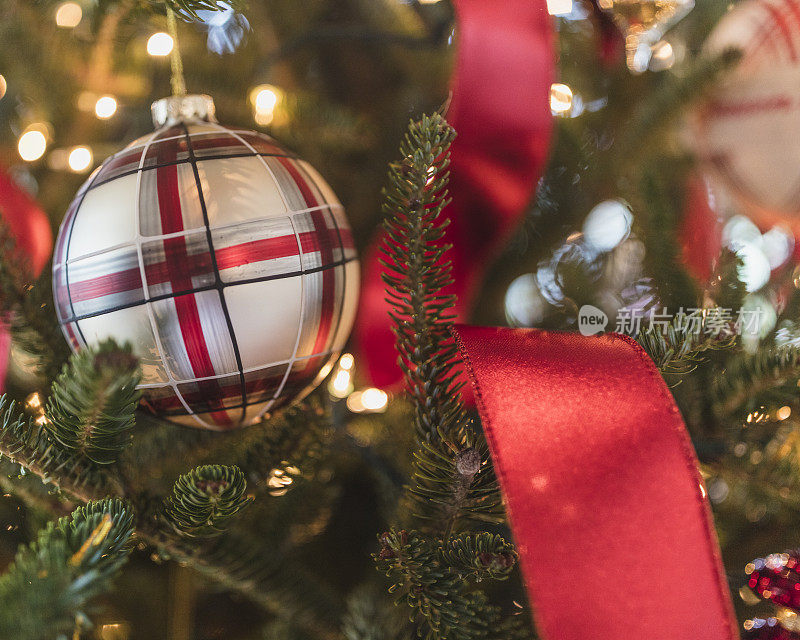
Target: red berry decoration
[(776, 578), (767, 629)]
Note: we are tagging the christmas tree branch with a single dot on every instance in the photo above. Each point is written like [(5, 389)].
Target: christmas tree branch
[(453, 481), (751, 380), (44, 592), (453, 476), (92, 403), (188, 8), (655, 115), (680, 346), (429, 578), (26, 443), (204, 500)]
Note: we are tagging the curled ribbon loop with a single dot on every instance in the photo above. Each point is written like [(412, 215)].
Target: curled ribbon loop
[(602, 487)]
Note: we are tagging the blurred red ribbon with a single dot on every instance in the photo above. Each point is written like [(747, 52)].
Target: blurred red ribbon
[(602, 487), (501, 111), (31, 230)]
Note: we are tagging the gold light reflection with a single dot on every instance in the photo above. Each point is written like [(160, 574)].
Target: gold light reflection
[(3, 86), (783, 413), (115, 631), (33, 401)]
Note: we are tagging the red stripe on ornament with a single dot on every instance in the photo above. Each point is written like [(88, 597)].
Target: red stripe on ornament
[(176, 255), (780, 21), (181, 268), (322, 241), (794, 9), (300, 181)]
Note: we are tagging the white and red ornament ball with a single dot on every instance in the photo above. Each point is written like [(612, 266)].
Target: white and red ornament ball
[(226, 261), (747, 130)]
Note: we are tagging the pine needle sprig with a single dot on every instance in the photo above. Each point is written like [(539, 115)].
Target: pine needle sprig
[(435, 590), (92, 405), (477, 556), (416, 275), (72, 560), (188, 9), (679, 347), (27, 443), (453, 477), (750, 381), (204, 500)]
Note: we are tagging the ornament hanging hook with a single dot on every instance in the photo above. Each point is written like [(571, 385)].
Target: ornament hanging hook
[(177, 81)]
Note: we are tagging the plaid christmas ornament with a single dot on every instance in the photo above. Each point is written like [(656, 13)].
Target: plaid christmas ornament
[(225, 260)]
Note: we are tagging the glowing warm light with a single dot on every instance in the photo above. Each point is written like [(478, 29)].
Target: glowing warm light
[(80, 159), (370, 400), (374, 399), (32, 145), (3, 87), (428, 1), (68, 15), (783, 413), (160, 44), (347, 361), (34, 401), (559, 7), (264, 99), (560, 98), (114, 631), (340, 384), (105, 107)]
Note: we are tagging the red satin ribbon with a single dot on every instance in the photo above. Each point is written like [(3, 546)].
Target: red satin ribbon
[(603, 492), (501, 111)]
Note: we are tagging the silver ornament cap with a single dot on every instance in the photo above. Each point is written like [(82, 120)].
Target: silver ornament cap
[(188, 108)]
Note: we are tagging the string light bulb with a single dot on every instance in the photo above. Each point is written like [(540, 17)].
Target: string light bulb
[(341, 382), (80, 159), (68, 15), (160, 44), (32, 144), (560, 98), (370, 400), (3, 86), (105, 107), (265, 99)]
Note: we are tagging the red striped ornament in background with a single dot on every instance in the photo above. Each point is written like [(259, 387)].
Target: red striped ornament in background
[(748, 128), (226, 261)]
